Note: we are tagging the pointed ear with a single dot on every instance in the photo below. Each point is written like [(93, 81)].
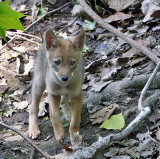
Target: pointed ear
[(78, 41), (50, 39)]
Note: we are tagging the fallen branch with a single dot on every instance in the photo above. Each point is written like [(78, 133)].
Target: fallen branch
[(144, 91), (113, 30), (19, 36), (104, 142), (21, 33), (48, 13), (44, 154), (8, 42)]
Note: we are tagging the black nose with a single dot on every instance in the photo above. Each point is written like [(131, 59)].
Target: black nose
[(64, 78)]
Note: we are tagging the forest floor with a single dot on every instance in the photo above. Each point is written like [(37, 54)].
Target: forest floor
[(107, 59)]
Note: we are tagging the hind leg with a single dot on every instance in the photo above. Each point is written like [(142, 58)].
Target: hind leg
[(38, 88)]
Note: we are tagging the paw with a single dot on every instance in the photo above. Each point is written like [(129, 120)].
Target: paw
[(59, 135), (76, 139), (34, 132)]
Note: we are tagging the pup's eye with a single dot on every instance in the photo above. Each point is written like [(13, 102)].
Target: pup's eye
[(57, 62), (72, 63)]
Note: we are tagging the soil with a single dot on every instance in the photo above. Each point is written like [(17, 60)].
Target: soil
[(12, 146)]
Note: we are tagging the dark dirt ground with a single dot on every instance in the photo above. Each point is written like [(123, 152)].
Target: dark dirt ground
[(12, 146)]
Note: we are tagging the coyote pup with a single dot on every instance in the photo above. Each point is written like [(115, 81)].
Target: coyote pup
[(58, 69)]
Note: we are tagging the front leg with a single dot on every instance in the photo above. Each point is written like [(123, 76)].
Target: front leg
[(54, 103), (66, 107), (76, 108)]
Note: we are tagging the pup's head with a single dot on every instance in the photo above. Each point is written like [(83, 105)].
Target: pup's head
[(64, 55)]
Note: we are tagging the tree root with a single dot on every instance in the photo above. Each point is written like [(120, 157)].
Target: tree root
[(114, 91)]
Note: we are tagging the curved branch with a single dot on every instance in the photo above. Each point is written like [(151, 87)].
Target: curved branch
[(45, 154), (104, 142), (50, 12), (143, 93)]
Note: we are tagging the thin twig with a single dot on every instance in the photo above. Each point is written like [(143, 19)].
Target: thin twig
[(7, 71), (19, 36), (8, 42), (67, 26), (47, 13), (20, 33), (143, 93), (113, 30), (149, 134), (44, 154)]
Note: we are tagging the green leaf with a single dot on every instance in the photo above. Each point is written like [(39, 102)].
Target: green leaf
[(63, 119), (114, 122), (9, 19), (42, 11), (86, 50), (46, 117), (89, 25)]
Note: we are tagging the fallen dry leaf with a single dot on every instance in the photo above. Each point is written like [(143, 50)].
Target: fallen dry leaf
[(108, 76), (103, 114), (20, 49), (117, 16), (120, 5), (42, 108), (158, 135), (142, 136), (21, 105), (136, 61), (3, 81), (100, 85), (150, 9), (154, 116), (29, 66), (121, 61), (66, 147), (145, 144), (156, 14)]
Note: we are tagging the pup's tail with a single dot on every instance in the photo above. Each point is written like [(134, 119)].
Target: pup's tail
[(27, 89)]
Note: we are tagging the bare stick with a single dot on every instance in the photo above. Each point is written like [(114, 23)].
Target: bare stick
[(7, 71), (104, 142), (19, 36), (20, 33), (143, 93), (44, 154), (8, 42), (113, 30), (51, 12)]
